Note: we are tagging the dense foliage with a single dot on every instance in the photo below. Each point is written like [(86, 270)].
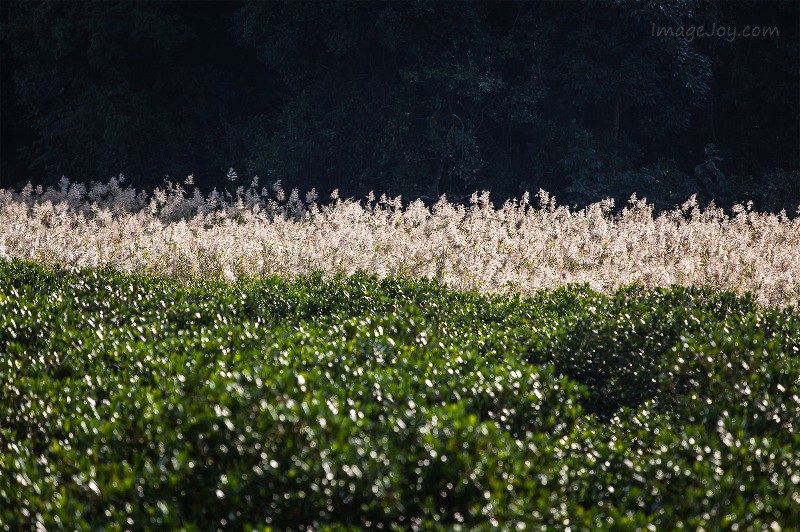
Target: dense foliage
[(583, 99), (139, 403)]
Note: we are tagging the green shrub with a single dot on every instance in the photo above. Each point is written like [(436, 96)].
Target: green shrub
[(353, 403)]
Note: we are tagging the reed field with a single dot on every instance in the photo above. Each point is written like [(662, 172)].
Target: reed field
[(517, 247)]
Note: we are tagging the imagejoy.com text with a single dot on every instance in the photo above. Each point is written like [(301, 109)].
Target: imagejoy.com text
[(729, 33)]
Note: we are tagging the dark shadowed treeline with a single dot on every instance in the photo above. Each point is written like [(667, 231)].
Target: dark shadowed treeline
[(583, 99)]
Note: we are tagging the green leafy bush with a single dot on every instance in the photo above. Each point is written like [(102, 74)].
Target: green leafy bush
[(352, 403)]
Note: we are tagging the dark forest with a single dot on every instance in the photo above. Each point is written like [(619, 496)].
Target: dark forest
[(586, 100)]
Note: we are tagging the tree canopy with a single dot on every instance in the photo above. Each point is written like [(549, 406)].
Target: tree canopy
[(584, 99)]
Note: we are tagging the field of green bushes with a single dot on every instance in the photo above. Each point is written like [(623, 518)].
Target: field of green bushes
[(134, 403)]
